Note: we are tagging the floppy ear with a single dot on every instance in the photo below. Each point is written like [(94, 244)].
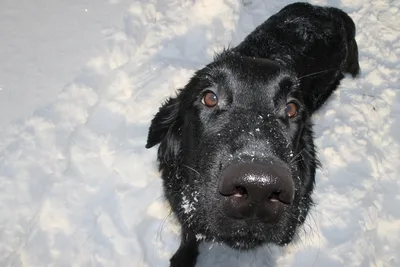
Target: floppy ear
[(163, 122)]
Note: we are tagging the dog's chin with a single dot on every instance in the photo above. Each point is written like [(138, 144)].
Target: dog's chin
[(241, 244), (251, 234)]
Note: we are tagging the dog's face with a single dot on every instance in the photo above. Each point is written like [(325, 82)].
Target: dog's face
[(236, 153)]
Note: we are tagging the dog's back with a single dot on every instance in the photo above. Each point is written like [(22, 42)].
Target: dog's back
[(300, 30)]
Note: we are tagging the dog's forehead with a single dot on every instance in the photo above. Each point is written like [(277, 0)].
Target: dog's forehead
[(244, 75), (247, 67)]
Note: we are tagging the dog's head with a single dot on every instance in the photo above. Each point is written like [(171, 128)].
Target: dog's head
[(236, 152)]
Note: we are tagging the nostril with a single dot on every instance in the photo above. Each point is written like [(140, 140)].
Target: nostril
[(279, 196), (240, 191), (274, 197)]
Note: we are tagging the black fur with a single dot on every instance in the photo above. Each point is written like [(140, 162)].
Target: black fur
[(300, 54)]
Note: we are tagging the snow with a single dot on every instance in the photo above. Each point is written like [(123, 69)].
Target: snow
[(80, 82), (45, 45)]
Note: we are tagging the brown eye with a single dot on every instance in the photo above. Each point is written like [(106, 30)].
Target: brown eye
[(210, 99), (291, 110)]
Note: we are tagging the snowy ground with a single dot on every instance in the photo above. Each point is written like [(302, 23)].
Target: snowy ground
[(77, 187)]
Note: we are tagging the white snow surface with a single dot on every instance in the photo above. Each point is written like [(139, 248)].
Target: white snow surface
[(77, 186)]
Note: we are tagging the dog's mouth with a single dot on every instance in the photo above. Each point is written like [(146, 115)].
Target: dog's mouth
[(244, 241), (252, 233)]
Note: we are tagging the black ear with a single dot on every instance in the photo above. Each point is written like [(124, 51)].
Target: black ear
[(163, 122)]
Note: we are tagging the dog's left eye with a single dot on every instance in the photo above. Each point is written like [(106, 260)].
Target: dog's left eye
[(291, 109), (209, 99)]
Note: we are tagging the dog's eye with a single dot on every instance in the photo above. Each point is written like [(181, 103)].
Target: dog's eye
[(210, 99), (291, 109)]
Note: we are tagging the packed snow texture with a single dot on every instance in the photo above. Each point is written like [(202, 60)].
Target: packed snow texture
[(77, 186)]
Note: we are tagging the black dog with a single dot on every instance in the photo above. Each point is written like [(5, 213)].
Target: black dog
[(236, 144)]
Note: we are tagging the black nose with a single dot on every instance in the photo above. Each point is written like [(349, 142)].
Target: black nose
[(258, 190)]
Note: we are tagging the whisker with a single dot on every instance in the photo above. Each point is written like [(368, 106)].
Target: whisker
[(298, 154), (316, 73), (325, 216), (294, 162), (190, 168), (162, 226), (319, 238)]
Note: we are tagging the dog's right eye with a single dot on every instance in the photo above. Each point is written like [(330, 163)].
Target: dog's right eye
[(209, 99), (291, 109)]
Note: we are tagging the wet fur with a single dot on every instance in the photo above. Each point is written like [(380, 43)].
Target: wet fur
[(300, 53)]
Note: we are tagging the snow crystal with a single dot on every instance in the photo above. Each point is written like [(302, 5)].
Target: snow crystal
[(200, 237), (187, 206)]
